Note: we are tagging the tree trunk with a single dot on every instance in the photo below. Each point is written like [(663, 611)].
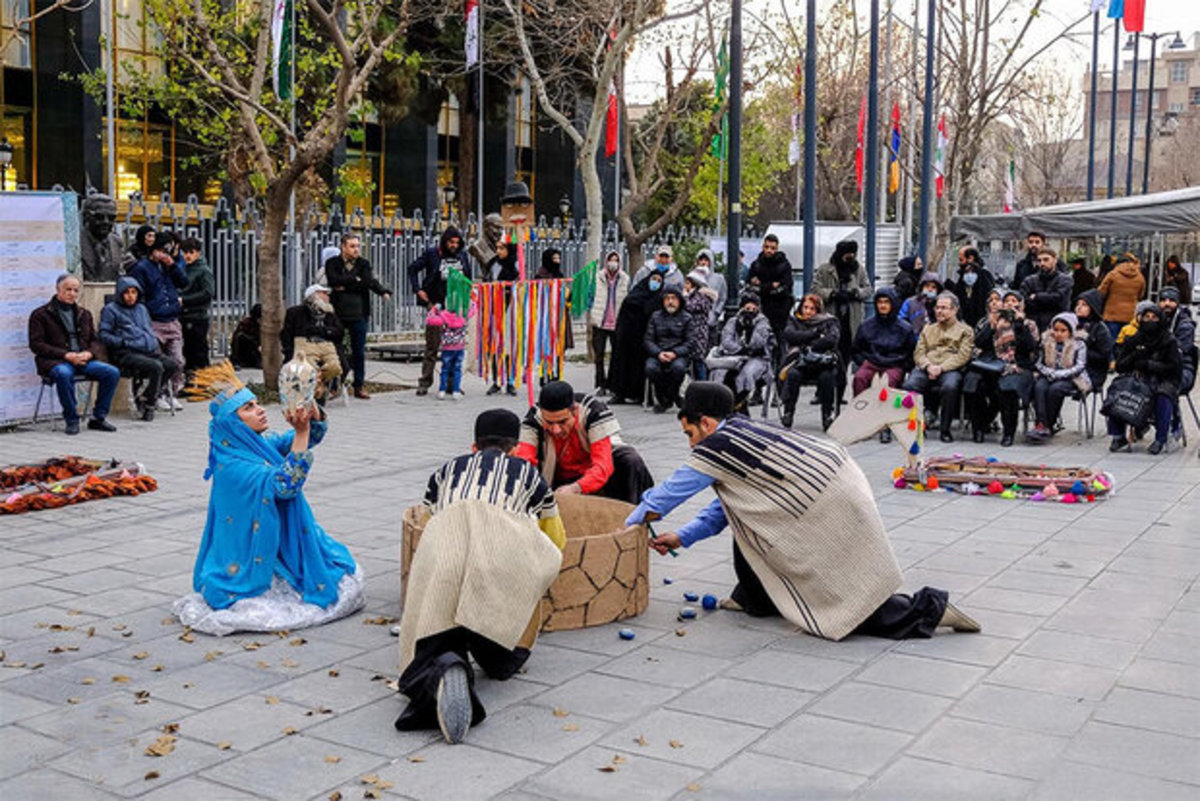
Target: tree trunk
[(593, 195), (468, 142), (270, 284)]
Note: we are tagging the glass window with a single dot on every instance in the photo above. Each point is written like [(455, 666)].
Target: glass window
[(1196, 97), (137, 39), (13, 36), (1176, 108), (1179, 72), (17, 125), (141, 158)]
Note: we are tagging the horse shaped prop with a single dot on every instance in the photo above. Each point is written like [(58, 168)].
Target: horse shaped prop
[(881, 407)]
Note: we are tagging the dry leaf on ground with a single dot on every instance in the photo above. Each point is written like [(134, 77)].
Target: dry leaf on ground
[(641, 740), (333, 760), (289, 730), (674, 743), (162, 746), (334, 673), (224, 745), (693, 787), (87, 680), (151, 775), (416, 759), (141, 655), (272, 700), (571, 727), (608, 769), (559, 712), (170, 728), (120, 679)]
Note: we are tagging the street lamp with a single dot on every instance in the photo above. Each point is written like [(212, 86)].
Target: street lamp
[(449, 194), (6, 154), (1176, 44), (564, 207)]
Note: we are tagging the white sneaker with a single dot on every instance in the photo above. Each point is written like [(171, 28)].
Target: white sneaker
[(162, 405), (458, 396), (176, 405), (441, 395)]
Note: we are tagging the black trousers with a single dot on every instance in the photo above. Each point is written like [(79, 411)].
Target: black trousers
[(900, 617), (434, 656), (667, 378), (153, 369), (600, 341), (629, 479), (195, 343), (824, 376)]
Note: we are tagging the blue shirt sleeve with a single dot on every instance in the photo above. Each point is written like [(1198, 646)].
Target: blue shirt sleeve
[(679, 487), (709, 522)]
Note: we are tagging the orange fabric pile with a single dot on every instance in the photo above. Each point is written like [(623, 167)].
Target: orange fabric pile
[(50, 485)]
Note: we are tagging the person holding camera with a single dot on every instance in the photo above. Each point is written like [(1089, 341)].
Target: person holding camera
[(161, 273), (811, 338)]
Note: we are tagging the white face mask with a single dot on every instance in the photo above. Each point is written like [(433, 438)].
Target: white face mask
[(612, 265), (970, 278)]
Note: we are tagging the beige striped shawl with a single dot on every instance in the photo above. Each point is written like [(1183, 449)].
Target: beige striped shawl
[(806, 522)]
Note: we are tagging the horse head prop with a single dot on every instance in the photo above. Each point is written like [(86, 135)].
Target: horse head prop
[(879, 407)]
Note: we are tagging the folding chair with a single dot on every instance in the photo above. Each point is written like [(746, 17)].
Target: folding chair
[(47, 381)]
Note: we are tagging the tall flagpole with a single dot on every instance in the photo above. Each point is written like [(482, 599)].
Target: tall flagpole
[(479, 116), (1091, 168), (733, 230), (929, 141), (913, 124), (810, 142), (872, 156), (293, 254), (1137, 40), (1112, 109)]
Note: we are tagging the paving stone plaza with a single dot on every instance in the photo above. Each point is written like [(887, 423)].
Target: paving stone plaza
[(1085, 682)]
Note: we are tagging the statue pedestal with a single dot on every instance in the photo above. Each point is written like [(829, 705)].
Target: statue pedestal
[(605, 573)]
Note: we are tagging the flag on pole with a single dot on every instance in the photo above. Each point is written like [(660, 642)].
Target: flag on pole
[(1010, 193), (939, 163), (611, 122), (894, 156), (471, 40), (1116, 9), (720, 84), (794, 145), (858, 148), (1135, 15), (281, 49)]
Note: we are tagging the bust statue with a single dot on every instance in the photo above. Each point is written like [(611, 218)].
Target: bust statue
[(99, 246), (484, 248)]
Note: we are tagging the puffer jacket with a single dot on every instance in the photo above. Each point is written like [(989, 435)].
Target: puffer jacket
[(1046, 294), (1065, 361), (885, 340), (600, 298), (1099, 338), (160, 287), (669, 332), (127, 327), (819, 333), (917, 310), (1122, 289), (1155, 358)]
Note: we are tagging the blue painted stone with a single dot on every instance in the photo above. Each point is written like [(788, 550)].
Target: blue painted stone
[(626, 634), (668, 580), (687, 612), (691, 597), (709, 602)]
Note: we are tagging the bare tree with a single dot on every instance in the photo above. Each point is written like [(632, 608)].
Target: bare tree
[(19, 23)]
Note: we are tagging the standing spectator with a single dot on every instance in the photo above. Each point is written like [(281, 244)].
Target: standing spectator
[(664, 265), (811, 338), (745, 350), (1177, 277), (551, 265), (161, 275), (973, 286), (1028, 265), (908, 277), (1011, 339), (1062, 371), (699, 299), (943, 350), (143, 240), (668, 349), (503, 266), (132, 345), (1152, 355), (352, 281), (612, 285), (1048, 291), (917, 310), (884, 344), (454, 343), (197, 299), (1089, 312), (771, 277), (627, 372), (64, 344), (717, 283), (427, 274), (1121, 290), (843, 285), (312, 328), (1082, 279)]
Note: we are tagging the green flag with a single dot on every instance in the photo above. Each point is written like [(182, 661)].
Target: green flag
[(720, 85), (281, 48)]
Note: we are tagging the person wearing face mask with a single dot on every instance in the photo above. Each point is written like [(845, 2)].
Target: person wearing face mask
[(843, 285), (974, 284), (612, 285), (745, 349), (668, 349), (699, 300), (717, 283), (313, 328), (908, 276), (917, 310), (664, 266), (1151, 355), (1009, 340), (627, 372)]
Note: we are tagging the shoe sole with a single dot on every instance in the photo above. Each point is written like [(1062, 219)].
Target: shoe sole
[(454, 704)]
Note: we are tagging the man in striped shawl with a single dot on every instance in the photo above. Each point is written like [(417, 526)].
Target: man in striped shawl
[(809, 543)]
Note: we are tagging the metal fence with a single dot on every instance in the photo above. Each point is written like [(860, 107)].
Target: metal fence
[(230, 237)]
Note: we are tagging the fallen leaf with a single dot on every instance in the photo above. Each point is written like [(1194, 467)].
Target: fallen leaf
[(680, 632), (151, 775), (162, 746), (252, 646), (571, 727), (142, 696), (334, 673), (371, 792), (608, 769), (641, 740), (58, 649), (693, 787), (74, 700), (211, 655), (289, 730), (333, 760), (187, 636), (91, 632), (336, 795), (37, 665), (370, 778), (61, 627), (290, 663), (14, 664), (224, 745), (320, 710), (74, 612), (120, 679), (618, 759), (170, 728), (126, 633), (282, 634), (187, 685), (158, 668), (559, 712), (416, 759), (87, 680), (297, 641), (263, 665), (141, 655), (378, 621), (119, 627), (272, 700), (167, 621), (674, 743)]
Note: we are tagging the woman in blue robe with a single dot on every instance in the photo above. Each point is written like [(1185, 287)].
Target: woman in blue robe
[(264, 562)]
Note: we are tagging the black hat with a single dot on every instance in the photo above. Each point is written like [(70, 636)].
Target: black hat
[(516, 192), (749, 296), (707, 399), (556, 396), (1170, 293), (497, 424)]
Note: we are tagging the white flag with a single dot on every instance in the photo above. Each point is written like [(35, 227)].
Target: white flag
[(281, 49), (471, 43)]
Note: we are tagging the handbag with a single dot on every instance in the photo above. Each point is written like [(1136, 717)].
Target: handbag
[(811, 358), (716, 361), (1128, 401), (988, 365)]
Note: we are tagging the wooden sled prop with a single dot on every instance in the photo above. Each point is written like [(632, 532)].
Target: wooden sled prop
[(69, 480), (978, 475)]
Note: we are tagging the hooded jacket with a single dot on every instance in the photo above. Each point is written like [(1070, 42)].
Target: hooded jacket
[(907, 278), (600, 296), (197, 296), (669, 332), (1046, 294), (740, 339), (972, 300), (717, 283), (1099, 338), (885, 340), (160, 287), (127, 327), (429, 263), (1122, 289), (917, 310), (1155, 357), (549, 269), (672, 276)]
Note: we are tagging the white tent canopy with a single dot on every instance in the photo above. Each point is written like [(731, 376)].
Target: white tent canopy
[(1177, 211)]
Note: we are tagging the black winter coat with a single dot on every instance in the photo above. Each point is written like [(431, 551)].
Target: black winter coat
[(818, 334), (1154, 358), (352, 288), (301, 321), (1046, 294), (1099, 341), (885, 341), (972, 301), (668, 332)]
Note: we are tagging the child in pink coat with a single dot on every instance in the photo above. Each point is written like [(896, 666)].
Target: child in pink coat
[(454, 343)]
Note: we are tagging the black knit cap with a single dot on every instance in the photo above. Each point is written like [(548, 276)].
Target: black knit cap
[(707, 399), (1170, 293), (556, 396), (749, 296), (498, 424)]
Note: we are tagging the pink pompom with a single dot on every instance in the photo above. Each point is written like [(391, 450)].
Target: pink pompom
[(900, 483)]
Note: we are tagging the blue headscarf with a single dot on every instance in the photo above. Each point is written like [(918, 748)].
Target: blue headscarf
[(259, 523)]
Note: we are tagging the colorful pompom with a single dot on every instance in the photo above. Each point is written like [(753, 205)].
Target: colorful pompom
[(1037, 496), (971, 488), (933, 483), (915, 448), (992, 460), (908, 401), (1051, 490), (919, 487), (900, 483), (1078, 488), (1069, 498), (899, 471), (883, 394), (1091, 498), (1008, 494), (896, 402), (995, 488)]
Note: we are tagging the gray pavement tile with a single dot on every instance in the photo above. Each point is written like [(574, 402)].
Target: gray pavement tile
[(683, 738), (16, 599), (606, 697), (887, 707), (1016, 601), (307, 771), (1182, 621), (84, 679), (120, 602), (461, 771), (1010, 625), (795, 670), (24, 750), (603, 639), (666, 666), (56, 649), (1146, 753), (922, 675), (497, 695), (1171, 647), (722, 635), (964, 563), (18, 575), (1025, 709), (835, 744), (751, 775), (248, 722), (1153, 567), (535, 732), (637, 777), (196, 788), (1029, 581), (1071, 781), (1061, 565), (549, 664), (1171, 678), (955, 583), (742, 701), (348, 690), (933, 781), (121, 767), (984, 746), (1081, 621), (1151, 710), (60, 543), (210, 683), (285, 659), (99, 722), (1080, 648), (95, 581), (15, 708), (371, 728), (1061, 678), (854, 648), (45, 783), (144, 624), (973, 649)]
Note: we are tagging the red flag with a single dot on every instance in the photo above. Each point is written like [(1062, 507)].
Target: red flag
[(611, 123), (1135, 15), (858, 150)]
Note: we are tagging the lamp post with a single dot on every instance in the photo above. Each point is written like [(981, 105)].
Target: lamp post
[(1176, 44), (449, 195), (810, 142), (564, 208), (6, 154), (1112, 111), (1091, 168), (1134, 43), (733, 225)]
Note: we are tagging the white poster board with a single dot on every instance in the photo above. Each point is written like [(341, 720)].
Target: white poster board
[(39, 240)]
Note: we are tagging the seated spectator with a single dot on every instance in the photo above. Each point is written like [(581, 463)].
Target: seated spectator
[(133, 347), (573, 438), (744, 355), (312, 328), (1007, 358), (979, 383), (668, 348), (1151, 355), (699, 300), (1121, 290), (64, 344), (917, 310), (1178, 320), (1062, 371), (1048, 291), (811, 339), (1089, 311), (245, 346), (943, 350), (973, 285), (1177, 277), (884, 344)]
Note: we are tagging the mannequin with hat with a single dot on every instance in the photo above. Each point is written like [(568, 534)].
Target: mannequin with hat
[(808, 541)]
